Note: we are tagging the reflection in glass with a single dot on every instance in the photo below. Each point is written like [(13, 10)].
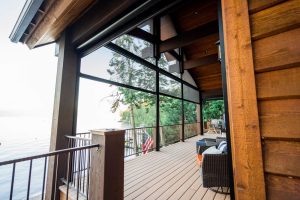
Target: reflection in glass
[(191, 94), (169, 86), (109, 65)]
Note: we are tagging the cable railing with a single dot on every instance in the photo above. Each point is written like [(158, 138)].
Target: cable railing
[(56, 180)]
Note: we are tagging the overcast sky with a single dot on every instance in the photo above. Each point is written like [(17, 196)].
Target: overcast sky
[(27, 77)]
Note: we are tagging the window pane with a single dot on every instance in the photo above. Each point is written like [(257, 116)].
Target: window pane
[(170, 119), (190, 112), (106, 64), (191, 94), (186, 76), (169, 86), (171, 66), (105, 106), (136, 46)]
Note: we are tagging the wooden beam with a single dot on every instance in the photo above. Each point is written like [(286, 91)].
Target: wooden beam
[(64, 108), (91, 22), (59, 16), (188, 37), (245, 138), (207, 60)]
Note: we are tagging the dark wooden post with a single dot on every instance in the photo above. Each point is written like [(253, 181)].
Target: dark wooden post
[(64, 107), (107, 165)]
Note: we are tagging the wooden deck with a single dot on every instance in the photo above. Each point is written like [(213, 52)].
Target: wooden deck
[(171, 173)]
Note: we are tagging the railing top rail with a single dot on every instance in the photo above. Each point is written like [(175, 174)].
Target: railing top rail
[(77, 138), (140, 128), (52, 153), (83, 133)]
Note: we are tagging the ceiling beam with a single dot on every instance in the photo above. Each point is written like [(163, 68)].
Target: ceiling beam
[(207, 60), (188, 37)]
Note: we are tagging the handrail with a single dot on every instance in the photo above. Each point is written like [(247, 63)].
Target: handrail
[(48, 154), (78, 138)]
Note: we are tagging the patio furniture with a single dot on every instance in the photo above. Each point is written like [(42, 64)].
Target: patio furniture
[(215, 166), (215, 170)]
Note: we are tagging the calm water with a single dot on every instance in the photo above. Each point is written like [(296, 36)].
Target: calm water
[(20, 137)]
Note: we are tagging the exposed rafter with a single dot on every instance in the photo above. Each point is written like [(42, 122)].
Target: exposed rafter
[(207, 60), (188, 37)]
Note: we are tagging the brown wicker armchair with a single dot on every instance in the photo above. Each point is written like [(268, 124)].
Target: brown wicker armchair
[(215, 170)]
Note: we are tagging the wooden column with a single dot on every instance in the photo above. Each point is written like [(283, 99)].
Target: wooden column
[(242, 102), (64, 107), (107, 165)]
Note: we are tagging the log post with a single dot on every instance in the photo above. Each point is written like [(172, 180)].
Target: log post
[(107, 165)]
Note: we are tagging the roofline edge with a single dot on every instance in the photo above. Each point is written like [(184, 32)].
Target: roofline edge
[(28, 12)]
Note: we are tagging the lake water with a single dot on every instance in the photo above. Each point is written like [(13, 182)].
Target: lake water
[(20, 137)]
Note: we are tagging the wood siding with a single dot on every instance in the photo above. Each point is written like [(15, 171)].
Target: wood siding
[(275, 32)]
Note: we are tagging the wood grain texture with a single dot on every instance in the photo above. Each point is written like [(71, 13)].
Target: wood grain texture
[(242, 103), (206, 70), (278, 84), (278, 51), (282, 157), (258, 5), (63, 108), (194, 14), (280, 119), (204, 47), (59, 16), (280, 187), (276, 19), (93, 20), (207, 60)]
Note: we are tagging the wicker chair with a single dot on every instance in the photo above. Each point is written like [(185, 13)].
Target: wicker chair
[(215, 170)]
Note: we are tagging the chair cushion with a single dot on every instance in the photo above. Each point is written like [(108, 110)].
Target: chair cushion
[(212, 150), (223, 146)]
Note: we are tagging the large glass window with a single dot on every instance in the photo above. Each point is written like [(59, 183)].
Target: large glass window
[(191, 94), (170, 119), (169, 64), (191, 117), (136, 46), (101, 105), (106, 64), (169, 86)]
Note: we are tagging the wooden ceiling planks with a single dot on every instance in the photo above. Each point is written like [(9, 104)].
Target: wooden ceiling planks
[(201, 51), (60, 14), (195, 14)]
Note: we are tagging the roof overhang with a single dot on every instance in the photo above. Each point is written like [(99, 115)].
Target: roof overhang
[(28, 12), (42, 21)]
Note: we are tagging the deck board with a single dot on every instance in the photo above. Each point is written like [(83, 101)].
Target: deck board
[(171, 173)]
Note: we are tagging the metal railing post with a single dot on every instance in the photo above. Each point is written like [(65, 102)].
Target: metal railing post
[(107, 165)]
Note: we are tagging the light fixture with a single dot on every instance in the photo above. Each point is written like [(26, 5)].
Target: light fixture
[(219, 50)]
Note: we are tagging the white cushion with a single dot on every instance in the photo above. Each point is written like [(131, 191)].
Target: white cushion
[(222, 145), (212, 150)]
